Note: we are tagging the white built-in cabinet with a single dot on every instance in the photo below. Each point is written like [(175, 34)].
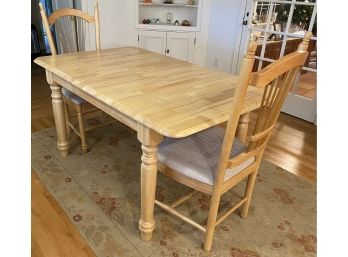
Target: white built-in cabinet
[(164, 37), (179, 45), (155, 41), (167, 14)]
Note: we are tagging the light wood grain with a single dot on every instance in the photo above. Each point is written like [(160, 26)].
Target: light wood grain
[(305, 42), (178, 214), (82, 128), (156, 95), (97, 26), (172, 97), (149, 140), (69, 12), (47, 22), (133, 93), (59, 13), (265, 76), (201, 187), (59, 116), (236, 111), (276, 80), (230, 211), (242, 129), (292, 146), (183, 199)]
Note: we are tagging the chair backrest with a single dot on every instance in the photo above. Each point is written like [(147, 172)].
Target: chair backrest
[(71, 26), (276, 79)]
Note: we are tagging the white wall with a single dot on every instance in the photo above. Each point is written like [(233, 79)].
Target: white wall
[(202, 36), (116, 23), (132, 33), (215, 44), (223, 27)]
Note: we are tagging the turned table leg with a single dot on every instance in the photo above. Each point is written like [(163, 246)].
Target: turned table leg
[(242, 129), (59, 116), (150, 140)]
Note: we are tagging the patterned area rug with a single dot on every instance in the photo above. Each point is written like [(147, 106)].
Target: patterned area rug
[(100, 192)]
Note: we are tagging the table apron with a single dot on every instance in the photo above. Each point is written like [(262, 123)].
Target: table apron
[(96, 102)]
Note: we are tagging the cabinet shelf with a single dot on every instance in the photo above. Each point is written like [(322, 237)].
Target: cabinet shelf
[(179, 10), (168, 5), (166, 27)]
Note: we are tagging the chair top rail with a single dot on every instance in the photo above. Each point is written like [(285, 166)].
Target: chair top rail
[(265, 76), (69, 12)]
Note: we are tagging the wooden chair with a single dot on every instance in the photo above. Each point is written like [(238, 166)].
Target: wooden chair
[(213, 161), (71, 25)]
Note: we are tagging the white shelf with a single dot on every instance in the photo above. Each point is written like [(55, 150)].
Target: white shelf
[(166, 27), (168, 5), (179, 10)]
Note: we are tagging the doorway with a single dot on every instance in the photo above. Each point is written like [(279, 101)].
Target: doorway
[(282, 25), (47, 5)]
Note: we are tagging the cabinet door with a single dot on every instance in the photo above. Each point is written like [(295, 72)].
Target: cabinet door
[(154, 41), (181, 45)]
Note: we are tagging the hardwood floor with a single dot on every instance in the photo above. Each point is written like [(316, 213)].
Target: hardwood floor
[(52, 232), (292, 146), (307, 85)]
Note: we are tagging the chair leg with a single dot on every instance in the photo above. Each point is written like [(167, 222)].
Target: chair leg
[(248, 192), (213, 211), (81, 127), (67, 120)]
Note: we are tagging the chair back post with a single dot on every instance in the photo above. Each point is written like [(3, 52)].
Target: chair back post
[(276, 79), (97, 26), (47, 29), (305, 42), (238, 100)]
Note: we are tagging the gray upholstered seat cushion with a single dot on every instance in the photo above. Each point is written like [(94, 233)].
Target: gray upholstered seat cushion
[(197, 156), (72, 97)]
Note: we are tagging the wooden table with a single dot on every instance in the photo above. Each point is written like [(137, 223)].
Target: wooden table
[(155, 95)]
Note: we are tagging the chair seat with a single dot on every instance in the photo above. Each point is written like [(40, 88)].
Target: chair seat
[(72, 97), (197, 156)]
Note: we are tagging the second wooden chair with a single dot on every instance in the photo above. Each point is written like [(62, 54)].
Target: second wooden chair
[(213, 161), (70, 27)]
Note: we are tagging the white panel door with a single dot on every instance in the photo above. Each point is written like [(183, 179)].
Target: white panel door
[(181, 45), (282, 25), (154, 41)]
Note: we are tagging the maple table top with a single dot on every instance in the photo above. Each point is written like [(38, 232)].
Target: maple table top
[(173, 97)]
